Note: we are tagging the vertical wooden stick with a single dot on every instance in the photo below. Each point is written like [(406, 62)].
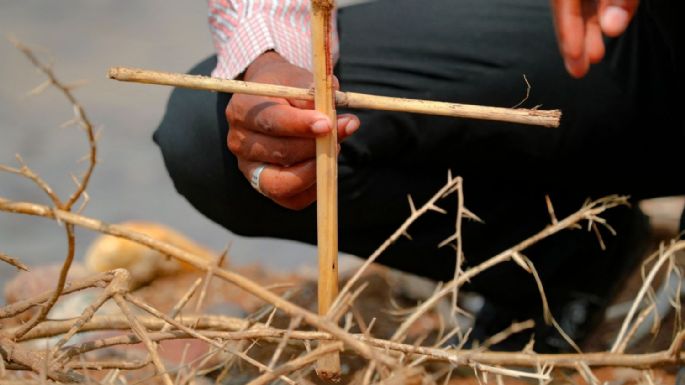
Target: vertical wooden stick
[(328, 367)]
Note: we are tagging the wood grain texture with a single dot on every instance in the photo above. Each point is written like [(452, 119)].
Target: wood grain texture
[(328, 366), (535, 117)]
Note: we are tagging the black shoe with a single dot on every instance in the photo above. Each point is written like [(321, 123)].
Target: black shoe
[(680, 378), (578, 296), (577, 316)]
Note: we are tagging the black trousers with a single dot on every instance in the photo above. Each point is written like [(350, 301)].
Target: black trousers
[(622, 133)]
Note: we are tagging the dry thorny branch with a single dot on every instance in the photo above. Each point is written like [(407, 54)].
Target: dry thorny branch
[(388, 361)]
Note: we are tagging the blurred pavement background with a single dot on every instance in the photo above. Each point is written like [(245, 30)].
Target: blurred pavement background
[(84, 38)]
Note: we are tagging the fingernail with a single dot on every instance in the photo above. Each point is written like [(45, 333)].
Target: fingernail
[(614, 20), (352, 126), (576, 67), (321, 126)]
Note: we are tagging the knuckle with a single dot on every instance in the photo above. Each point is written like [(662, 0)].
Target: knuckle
[(279, 193), (264, 123), (233, 146), (235, 111), (235, 142), (232, 121), (276, 188), (231, 117), (289, 153), (281, 157)]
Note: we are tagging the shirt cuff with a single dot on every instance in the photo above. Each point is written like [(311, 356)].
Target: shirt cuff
[(257, 35)]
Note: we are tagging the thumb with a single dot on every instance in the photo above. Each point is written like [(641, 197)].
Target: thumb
[(309, 104), (615, 15)]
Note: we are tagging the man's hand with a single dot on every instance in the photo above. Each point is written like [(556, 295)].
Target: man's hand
[(280, 133), (580, 25)]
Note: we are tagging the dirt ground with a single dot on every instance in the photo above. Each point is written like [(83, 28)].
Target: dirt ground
[(388, 292)]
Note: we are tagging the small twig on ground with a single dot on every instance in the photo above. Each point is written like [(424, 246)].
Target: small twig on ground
[(140, 331), (176, 310), (663, 258), (117, 284), (192, 332), (294, 324), (297, 363), (12, 352), (45, 308), (508, 372), (98, 280), (546, 312), (102, 365), (515, 327), (636, 325)]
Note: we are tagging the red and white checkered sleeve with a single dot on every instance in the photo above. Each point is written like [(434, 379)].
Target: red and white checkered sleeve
[(244, 29)]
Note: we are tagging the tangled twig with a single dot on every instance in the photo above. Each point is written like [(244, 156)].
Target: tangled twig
[(82, 118)]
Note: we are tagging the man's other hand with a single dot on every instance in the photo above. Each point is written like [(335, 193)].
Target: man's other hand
[(280, 134), (581, 24)]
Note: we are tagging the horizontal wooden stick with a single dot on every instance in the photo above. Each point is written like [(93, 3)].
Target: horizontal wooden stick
[(546, 118)]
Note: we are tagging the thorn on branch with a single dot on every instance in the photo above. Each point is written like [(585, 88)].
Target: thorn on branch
[(448, 240), (39, 89), (13, 261), (411, 204), (550, 210), (470, 215), (437, 209), (519, 259), (598, 234)]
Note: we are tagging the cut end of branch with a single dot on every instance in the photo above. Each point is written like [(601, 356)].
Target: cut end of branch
[(328, 367), (113, 73), (323, 5), (123, 73), (328, 376)]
